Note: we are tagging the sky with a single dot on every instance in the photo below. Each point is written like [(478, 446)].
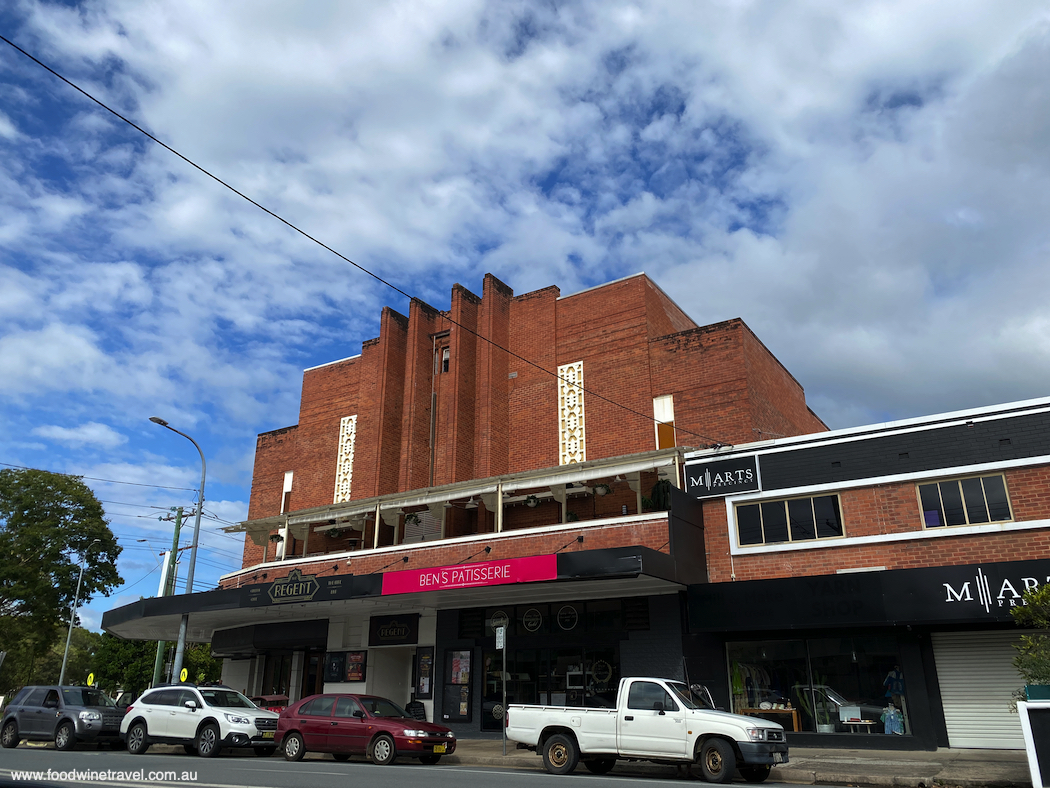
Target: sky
[(865, 184)]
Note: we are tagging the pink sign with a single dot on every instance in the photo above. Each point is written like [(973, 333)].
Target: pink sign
[(489, 573)]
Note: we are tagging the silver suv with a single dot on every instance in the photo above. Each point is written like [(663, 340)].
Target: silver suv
[(64, 715), (203, 719)]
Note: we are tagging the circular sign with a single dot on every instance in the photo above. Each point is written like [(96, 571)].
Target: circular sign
[(601, 671), (497, 711), (568, 618), (184, 674), (91, 679), (499, 619), (532, 620)]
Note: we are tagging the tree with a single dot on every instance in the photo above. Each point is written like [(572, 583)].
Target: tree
[(124, 664), (1033, 652), (48, 522)]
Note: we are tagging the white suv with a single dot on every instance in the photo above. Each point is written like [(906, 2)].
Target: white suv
[(202, 719)]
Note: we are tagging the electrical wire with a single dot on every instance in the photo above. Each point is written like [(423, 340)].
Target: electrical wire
[(681, 430), (94, 478)]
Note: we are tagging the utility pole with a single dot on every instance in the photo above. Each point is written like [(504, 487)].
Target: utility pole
[(169, 588)]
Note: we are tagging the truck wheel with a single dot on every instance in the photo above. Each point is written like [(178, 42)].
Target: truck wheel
[(755, 774), (600, 766), (560, 754), (717, 761)]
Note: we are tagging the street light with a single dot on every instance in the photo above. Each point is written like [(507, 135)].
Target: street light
[(180, 646), (73, 613)]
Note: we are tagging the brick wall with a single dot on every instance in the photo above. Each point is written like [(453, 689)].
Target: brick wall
[(884, 510), (725, 385)]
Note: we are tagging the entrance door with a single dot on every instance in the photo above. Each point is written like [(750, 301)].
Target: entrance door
[(313, 674), (976, 672), (390, 673)]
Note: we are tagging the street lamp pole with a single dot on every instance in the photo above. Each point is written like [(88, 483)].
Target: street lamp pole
[(73, 613), (180, 645)]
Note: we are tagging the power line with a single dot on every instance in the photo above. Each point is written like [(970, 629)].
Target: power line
[(714, 442), (94, 478)]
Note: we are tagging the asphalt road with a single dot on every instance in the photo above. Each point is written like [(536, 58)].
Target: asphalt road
[(243, 769)]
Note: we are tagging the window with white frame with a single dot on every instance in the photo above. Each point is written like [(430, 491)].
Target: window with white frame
[(970, 501), (790, 520)]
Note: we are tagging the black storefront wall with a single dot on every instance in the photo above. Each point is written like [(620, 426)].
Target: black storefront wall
[(906, 605)]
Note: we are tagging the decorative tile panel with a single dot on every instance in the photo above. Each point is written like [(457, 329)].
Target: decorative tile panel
[(344, 463), (572, 445)]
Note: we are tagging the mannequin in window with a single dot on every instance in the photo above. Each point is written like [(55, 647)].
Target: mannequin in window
[(894, 684)]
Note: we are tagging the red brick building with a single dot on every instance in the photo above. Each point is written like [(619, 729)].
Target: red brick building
[(514, 460)]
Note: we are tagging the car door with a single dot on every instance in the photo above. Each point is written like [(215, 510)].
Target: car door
[(48, 716), (653, 722), (349, 733), (30, 714), (182, 722), (156, 711), (314, 722)]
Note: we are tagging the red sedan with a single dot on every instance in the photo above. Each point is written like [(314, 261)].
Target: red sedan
[(346, 725)]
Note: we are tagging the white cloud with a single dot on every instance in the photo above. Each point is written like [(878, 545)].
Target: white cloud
[(92, 433), (866, 184)]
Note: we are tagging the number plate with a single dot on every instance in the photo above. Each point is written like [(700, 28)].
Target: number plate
[(267, 734), (778, 757), (439, 748)]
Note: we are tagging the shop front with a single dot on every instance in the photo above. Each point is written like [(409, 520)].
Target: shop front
[(902, 659), (566, 652)]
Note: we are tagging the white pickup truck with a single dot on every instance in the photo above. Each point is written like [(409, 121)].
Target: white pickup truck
[(654, 720)]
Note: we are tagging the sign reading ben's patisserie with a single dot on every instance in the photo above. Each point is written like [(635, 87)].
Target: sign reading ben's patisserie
[(531, 569)]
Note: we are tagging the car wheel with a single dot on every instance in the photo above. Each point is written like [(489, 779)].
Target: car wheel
[(65, 736), (264, 752), (600, 766), (9, 736), (755, 774), (294, 748), (341, 756), (208, 744), (717, 761), (429, 760), (383, 750), (191, 749), (138, 741), (560, 754)]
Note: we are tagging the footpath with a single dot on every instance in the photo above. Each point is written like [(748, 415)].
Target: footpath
[(811, 766)]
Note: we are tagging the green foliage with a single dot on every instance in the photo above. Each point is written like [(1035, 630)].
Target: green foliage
[(1033, 652), (200, 665), (660, 495), (47, 523), (124, 664)]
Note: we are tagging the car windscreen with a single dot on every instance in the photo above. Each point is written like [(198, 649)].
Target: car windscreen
[(685, 696), (226, 698), (381, 707), (85, 696)]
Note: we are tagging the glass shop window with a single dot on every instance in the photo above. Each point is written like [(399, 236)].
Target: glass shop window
[(822, 685)]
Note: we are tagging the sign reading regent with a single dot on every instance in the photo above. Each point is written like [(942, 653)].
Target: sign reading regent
[(722, 477), (294, 588), (489, 573)]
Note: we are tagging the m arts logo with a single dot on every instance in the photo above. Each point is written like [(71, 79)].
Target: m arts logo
[(294, 588), (723, 477), (1010, 593)]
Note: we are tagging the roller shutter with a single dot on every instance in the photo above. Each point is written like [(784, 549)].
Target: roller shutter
[(977, 677)]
